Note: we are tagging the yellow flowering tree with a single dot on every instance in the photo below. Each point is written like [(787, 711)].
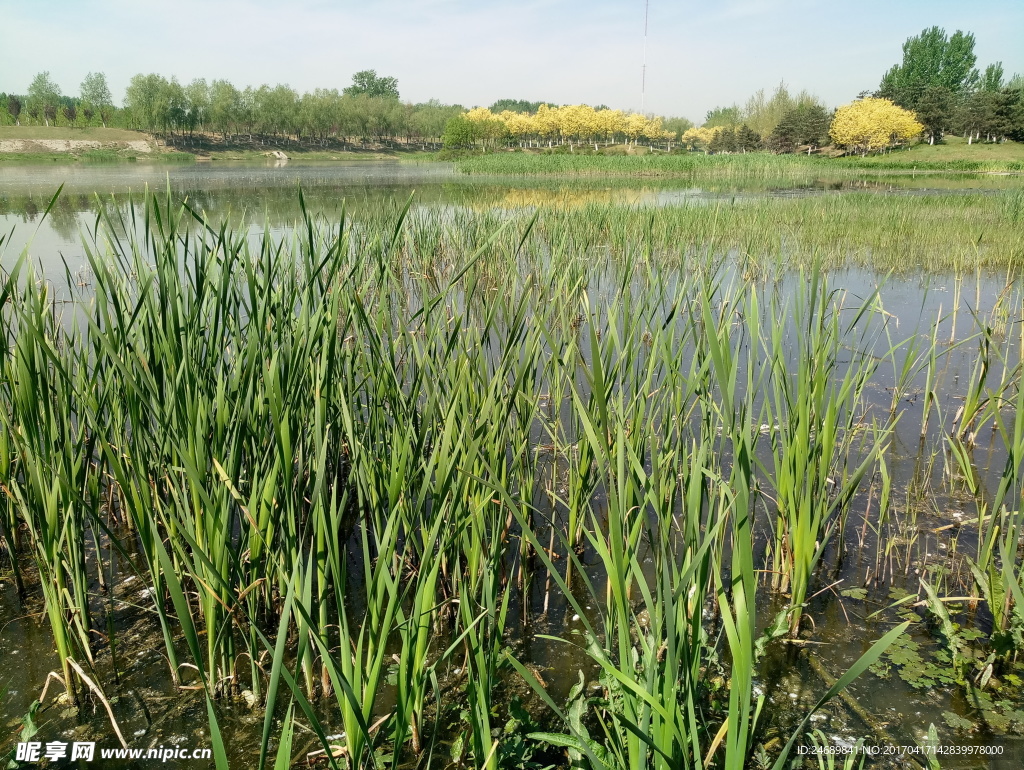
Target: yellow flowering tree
[(488, 127), (654, 130), (699, 138), (572, 124), (636, 126), (870, 125), (611, 123), (519, 124)]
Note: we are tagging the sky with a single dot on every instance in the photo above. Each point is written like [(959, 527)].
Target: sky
[(699, 55)]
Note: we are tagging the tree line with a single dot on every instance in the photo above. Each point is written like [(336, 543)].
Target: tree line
[(369, 108), (936, 89), (938, 80), (937, 84), (44, 103), (542, 124)]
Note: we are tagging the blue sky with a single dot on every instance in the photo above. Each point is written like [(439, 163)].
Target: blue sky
[(699, 55)]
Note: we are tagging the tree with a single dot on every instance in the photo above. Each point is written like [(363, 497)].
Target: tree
[(763, 113), (699, 138), (1015, 113), (145, 100), (44, 97), (459, 131), (95, 94), (724, 140), (197, 100), (611, 123), (805, 125), (429, 120), (282, 105), (992, 80), (869, 125), (636, 126), (931, 59), (935, 110), (723, 116), (225, 106), (369, 83), (486, 126), (14, 108), (517, 105), (994, 115), (677, 126), (747, 139), (175, 106), (70, 114)]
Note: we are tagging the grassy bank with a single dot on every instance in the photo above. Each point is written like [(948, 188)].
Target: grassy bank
[(29, 144), (92, 133), (62, 144), (953, 150)]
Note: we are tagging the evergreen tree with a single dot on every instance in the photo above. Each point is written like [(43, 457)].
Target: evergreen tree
[(806, 125), (935, 110), (724, 140), (988, 115), (14, 109), (747, 139)]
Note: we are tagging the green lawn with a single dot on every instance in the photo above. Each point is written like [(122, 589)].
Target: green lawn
[(955, 148), (33, 133)]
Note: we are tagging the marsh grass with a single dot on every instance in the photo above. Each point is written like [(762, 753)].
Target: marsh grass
[(349, 459), (752, 165)]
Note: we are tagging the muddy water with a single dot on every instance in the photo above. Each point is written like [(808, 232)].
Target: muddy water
[(930, 531)]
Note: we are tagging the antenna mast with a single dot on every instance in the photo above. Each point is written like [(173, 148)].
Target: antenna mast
[(643, 76)]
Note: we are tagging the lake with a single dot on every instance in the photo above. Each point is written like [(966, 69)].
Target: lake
[(587, 282)]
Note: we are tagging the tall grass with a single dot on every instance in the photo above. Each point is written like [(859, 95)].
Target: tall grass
[(349, 460), (698, 165)]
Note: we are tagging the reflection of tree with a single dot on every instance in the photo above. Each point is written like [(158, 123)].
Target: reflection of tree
[(31, 210), (63, 218)]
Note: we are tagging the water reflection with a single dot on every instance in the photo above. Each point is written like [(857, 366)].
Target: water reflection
[(238, 192)]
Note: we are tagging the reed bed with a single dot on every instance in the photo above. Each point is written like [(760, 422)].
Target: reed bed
[(698, 165), (904, 234), (356, 464)]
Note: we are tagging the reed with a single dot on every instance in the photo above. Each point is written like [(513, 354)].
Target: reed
[(698, 165), (363, 450)]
